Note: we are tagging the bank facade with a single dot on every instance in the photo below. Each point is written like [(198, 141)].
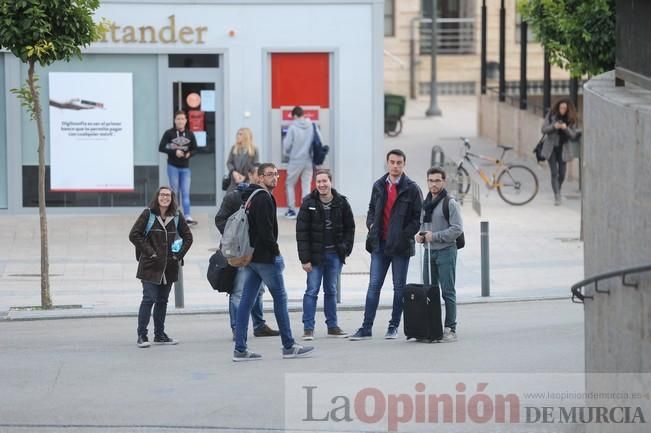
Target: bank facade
[(230, 64)]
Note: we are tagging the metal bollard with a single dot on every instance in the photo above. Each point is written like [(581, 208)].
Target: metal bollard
[(485, 260), (438, 156), (179, 301)]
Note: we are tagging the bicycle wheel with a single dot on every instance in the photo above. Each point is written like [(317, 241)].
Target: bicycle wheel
[(395, 131), (517, 184), (463, 181)]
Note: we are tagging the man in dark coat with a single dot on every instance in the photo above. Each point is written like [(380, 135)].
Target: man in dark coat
[(392, 220), (325, 233), (266, 266), (230, 204)]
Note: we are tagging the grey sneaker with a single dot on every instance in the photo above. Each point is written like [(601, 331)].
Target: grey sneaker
[(361, 334), (245, 356), (165, 339), (308, 335), (336, 332), (298, 351), (143, 341), (557, 199), (449, 335), (392, 333)]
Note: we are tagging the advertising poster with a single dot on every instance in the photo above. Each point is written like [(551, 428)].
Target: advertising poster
[(91, 131)]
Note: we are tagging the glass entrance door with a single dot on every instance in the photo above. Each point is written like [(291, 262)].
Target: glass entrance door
[(195, 87)]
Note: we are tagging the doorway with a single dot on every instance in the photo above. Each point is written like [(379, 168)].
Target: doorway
[(194, 84)]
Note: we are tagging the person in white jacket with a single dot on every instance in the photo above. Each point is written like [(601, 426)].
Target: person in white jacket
[(297, 146)]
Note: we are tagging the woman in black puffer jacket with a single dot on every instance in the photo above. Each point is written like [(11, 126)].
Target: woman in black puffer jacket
[(156, 234)]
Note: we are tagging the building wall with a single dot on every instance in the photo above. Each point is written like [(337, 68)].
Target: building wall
[(3, 136), (465, 67), (617, 227), (244, 33)]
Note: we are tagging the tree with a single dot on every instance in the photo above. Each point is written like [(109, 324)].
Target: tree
[(43, 32), (579, 35)]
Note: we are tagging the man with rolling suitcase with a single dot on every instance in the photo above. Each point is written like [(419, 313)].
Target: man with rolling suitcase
[(442, 231)]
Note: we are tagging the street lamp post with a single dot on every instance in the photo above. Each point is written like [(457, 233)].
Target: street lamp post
[(433, 109)]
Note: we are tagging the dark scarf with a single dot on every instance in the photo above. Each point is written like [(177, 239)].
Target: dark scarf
[(429, 205)]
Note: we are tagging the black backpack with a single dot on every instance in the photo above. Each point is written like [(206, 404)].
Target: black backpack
[(461, 240), (220, 274)]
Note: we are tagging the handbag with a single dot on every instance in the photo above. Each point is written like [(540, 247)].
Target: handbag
[(319, 150), (538, 149), (220, 274), (226, 181)]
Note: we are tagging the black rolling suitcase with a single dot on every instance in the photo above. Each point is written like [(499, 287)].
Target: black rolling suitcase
[(422, 309)]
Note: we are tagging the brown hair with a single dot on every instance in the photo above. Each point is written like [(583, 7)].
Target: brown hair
[(436, 170), (572, 116), (171, 210), (262, 167), (323, 171)]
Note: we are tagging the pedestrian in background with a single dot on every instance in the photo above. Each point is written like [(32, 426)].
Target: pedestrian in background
[(154, 232), (241, 158), (297, 146), (559, 128), (180, 145), (325, 234)]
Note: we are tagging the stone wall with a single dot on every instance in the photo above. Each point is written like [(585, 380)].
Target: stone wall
[(617, 224)]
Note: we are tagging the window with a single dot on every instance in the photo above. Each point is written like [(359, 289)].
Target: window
[(531, 37), (455, 27), (389, 18)]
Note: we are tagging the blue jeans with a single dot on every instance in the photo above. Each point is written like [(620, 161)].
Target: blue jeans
[(379, 267), (235, 298), (329, 271), (155, 295), (443, 265), (180, 178), (272, 276)]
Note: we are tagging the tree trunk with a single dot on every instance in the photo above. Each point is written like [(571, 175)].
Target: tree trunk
[(46, 300)]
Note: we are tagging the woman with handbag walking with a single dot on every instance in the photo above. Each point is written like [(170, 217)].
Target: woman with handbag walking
[(241, 158), (162, 238), (559, 128)]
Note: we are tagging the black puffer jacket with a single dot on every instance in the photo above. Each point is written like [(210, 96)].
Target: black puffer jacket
[(156, 256), (263, 225), (404, 220), (310, 228)]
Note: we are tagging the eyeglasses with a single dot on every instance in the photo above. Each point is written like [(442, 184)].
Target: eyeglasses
[(434, 180), (165, 194), (271, 175)]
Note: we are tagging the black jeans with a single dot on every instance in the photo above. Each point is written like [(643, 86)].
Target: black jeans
[(155, 295), (557, 168)]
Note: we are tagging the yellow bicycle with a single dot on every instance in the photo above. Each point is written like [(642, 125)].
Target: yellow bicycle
[(516, 184)]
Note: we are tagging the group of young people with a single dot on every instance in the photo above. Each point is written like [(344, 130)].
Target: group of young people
[(397, 219)]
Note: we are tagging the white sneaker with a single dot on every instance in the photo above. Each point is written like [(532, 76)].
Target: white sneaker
[(449, 335)]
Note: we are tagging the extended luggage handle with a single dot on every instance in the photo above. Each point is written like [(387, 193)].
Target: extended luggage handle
[(429, 259)]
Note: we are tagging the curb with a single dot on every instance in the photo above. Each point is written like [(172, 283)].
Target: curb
[(6, 316)]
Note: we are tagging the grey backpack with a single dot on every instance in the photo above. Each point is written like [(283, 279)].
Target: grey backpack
[(236, 244)]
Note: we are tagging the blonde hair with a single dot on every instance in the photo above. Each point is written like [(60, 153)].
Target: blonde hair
[(247, 143)]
